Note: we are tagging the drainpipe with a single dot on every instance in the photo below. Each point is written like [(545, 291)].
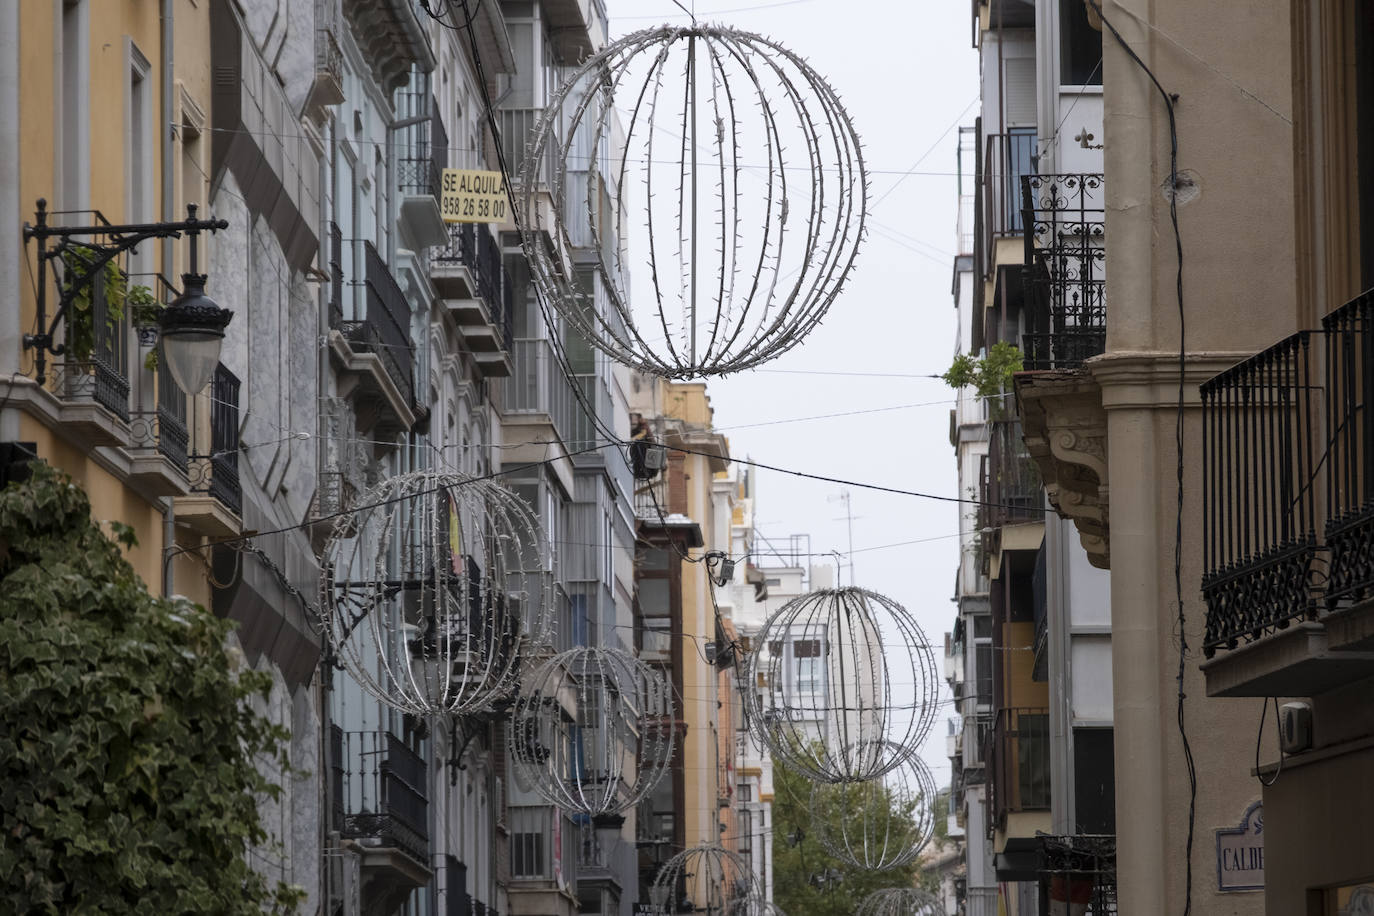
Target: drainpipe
[(168, 195), (11, 243)]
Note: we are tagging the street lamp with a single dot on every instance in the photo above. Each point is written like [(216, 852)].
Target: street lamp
[(192, 329), (192, 325)]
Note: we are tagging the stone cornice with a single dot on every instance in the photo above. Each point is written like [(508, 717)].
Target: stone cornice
[(1148, 379)]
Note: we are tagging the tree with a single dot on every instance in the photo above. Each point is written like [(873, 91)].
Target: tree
[(127, 743), (990, 374), (796, 868)]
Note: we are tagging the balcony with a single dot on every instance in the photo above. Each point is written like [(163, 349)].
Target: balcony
[(539, 389), (215, 502), (1288, 518), (1065, 253), (327, 88), (1078, 869), (470, 276), (391, 38), (1065, 325), (543, 860), (517, 134), (1018, 757), (370, 342), (420, 169), (91, 377), (380, 803), (158, 440), (1007, 158)]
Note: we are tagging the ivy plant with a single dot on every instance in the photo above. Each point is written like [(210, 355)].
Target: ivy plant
[(121, 297), (128, 743)]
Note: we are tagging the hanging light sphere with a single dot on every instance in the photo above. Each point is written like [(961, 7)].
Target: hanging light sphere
[(705, 878), (755, 907), (879, 823), (901, 901), (434, 590), (592, 731), (737, 171), (852, 685)]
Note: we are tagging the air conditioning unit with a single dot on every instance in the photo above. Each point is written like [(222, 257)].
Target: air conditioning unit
[(1295, 732)]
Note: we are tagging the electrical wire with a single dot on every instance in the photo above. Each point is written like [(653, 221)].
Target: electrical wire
[(1169, 101), (1278, 725)]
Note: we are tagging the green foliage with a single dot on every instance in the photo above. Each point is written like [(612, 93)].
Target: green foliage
[(793, 866), (119, 295), (127, 743), (989, 374)]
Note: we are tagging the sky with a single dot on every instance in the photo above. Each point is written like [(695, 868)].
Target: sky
[(908, 77)]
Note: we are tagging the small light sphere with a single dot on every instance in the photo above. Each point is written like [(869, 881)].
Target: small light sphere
[(735, 163), (901, 901), (592, 730), (706, 878), (878, 823), (852, 686), (434, 590)]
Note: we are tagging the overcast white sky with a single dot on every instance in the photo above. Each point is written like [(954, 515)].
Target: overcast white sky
[(908, 77)]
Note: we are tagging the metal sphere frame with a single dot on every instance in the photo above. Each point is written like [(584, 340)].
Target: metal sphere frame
[(592, 731), (725, 877), (852, 728), (755, 907), (901, 901), (878, 823), (726, 296), (435, 590)]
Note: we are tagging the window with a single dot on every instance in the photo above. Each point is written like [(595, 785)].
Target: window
[(527, 855), (1094, 784), (745, 791), (1080, 46), (807, 652)]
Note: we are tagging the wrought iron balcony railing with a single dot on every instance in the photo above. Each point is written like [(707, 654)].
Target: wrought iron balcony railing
[(1078, 869), (474, 247), (425, 150), (95, 364), (1018, 760), (217, 473), (164, 427), (384, 328), (1288, 460), (1013, 493), (1066, 307), (380, 791)]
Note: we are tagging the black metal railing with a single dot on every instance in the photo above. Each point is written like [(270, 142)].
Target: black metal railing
[(1018, 759), (474, 247), (1007, 158), (385, 330), (336, 276), (1065, 281), (420, 170), (381, 791), (1013, 491), (1349, 333), (1288, 459), (1261, 455), (217, 473), (95, 366), (1077, 869)]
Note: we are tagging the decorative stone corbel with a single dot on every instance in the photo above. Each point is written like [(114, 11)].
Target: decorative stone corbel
[(1064, 426)]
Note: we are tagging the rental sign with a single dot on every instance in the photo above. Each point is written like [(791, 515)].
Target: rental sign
[(472, 196)]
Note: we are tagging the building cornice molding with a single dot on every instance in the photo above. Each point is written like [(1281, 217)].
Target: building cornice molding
[(1148, 379)]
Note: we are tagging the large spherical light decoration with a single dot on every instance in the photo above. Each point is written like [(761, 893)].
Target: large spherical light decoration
[(592, 730), (737, 170), (703, 879), (434, 590), (901, 901), (878, 823), (851, 685), (755, 907)]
